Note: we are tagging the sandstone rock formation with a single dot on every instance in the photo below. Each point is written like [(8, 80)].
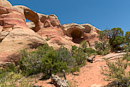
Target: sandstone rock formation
[(80, 32), (17, 34), (47, 26), (5, 3), (40, 20)]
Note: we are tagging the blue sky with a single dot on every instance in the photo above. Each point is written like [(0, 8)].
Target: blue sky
[(103, 14)]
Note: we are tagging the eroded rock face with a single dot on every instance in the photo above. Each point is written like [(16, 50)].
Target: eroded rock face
[(47, 26), (15, 35), (10, 19), (40, 20), (17, 40), (5, 3), (80, 32), (55, 37)]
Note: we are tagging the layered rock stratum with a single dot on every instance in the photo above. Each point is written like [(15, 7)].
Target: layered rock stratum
[(16, 34)]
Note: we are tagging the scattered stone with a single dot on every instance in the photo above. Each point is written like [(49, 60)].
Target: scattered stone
[(95, 85), (37, 86), (91, 59), (4, 64), (58, 82)]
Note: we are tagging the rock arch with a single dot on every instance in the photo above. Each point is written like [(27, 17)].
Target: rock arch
[(30, 15), (76, 34)]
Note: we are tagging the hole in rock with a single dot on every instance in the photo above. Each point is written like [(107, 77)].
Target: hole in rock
[(27, 12), (31, 19), (30, 24), (28, 20), (76, 35)]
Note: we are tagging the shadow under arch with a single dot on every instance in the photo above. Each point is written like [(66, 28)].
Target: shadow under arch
[(77, 35)]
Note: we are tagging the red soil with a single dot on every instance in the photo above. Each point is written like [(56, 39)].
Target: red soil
[(89, 75)]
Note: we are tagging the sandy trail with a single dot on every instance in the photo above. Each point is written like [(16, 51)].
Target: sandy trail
[(89, 75)]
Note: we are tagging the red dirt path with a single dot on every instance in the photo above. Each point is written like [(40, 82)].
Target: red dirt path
[(89, 75)]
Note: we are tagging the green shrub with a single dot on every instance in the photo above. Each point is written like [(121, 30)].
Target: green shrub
[(75, 69), (83, 45), (115, 38), (66, 56), (47, 60), (126, 47), (12, 79), (102, 48), (127, 36), (116, 72), (30, 63), (51, 62), (90, 51), (79, 55)]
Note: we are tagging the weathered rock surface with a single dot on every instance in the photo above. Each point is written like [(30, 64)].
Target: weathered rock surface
[(47, 26), (58, 82), (18, 39), (31, 25), (40, 20), (80, 32), (5, 3), (11, 18), (17, 34)]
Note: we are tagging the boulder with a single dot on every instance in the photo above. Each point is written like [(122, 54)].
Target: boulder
[(58, 82)]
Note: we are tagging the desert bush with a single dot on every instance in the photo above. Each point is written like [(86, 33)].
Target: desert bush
[(102, 48), (45, 59), (12, 79), (88, 51), (75, 69), (117, 72), (115, 38), (83, 45), (79, 55), (66, 56), (52, 64), (30, 63), (127, 36), (117, 42)]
